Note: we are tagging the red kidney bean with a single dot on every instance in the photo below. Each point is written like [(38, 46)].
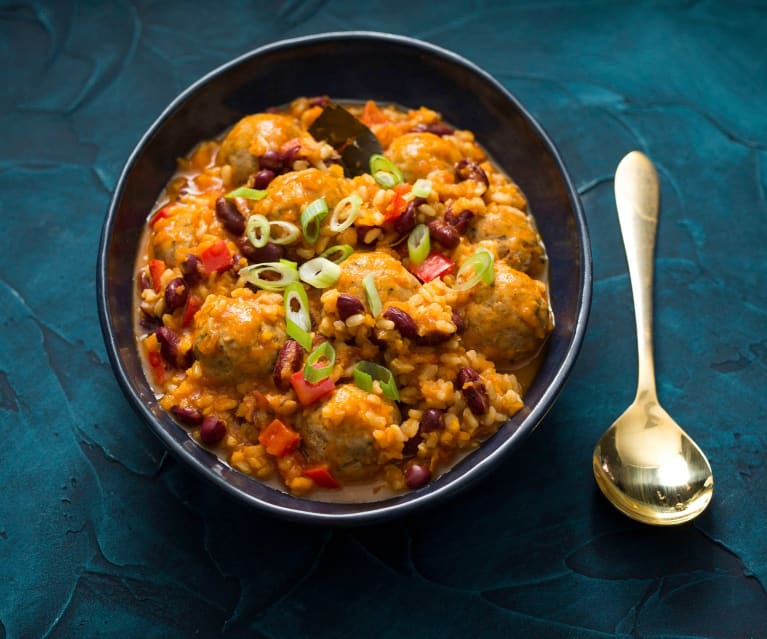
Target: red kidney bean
[(212, 430), (319, 100), (411, 446), (474, 391), (444, 233), (362, 232), (469, 170), (433, 338), (187, 415), (437, 128), (169, 341), (289, 156), (348, 305), (416, 476), (458, 321), (148, 322), (406, 222), (460, 221), (402, 322), (191, 268), (271, 160), (270, 252), (231, 219), (144, 279), (263, 178), (289, 360), (431, 420), (176, 293)]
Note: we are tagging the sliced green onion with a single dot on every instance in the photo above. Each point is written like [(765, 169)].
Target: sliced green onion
[(286, 274), (288, 237), (481, 265), (311, 218), (314, 373), (342, 250), (419, 244), (247, 193), (374, 301), (348, 207), (384, 171), (298, 322), (422, 188), (319, 272), (257, 230), (365, 373)]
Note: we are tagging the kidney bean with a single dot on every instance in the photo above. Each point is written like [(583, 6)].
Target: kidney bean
[(402, 322), (231, 219), (406, 222), (212, 430), (362, 233), (144, 279), (431, 420), (444, 233), (458, 321), (437, 128), (348, 305), (289, 156), (176, 293), (319, 100), (263, 178), (474, 391), (191, 268), (411, 446), (169, 340), (468, 170), (271, 160), (187, 415), (433, 338), (416, 476), (459, 222), (289, 360), (149, 322)]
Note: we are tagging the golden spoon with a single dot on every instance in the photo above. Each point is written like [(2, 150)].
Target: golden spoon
[(645, 464)]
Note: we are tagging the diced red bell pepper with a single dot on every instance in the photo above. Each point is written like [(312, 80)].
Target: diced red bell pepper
[(309, 393), (435, 265), (395, 208), (279, 439), (156, 269), (161, 214), (371, 114), (321, 476), (216, 258), (193, 305), (157, 365)]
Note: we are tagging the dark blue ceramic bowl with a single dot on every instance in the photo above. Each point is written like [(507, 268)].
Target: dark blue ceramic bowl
[(350, 66)]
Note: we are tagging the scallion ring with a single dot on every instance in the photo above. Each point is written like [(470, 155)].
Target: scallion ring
[(314, 373), (478, 268), (419, 244), (298, 322), (286, 274), (247, 193), (345, 212), (422, 188), (384, 171), (290, 235), (365, 373), (311, 218), (337, 253), (374, 301), (258, 230), (319, 272)]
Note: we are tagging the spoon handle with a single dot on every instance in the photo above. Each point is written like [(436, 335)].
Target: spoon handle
[(636, 197)]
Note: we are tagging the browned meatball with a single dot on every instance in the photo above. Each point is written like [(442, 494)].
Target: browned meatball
[(339, 431), (392, 280), (418, 154), (174, 235), (288, 194), (239, 337), (252, 136), (509, 320), (514, 237)]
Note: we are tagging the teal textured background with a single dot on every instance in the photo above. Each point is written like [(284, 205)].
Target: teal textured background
[(103, 535)]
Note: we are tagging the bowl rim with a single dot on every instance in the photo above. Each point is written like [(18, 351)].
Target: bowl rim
[(374, 511)]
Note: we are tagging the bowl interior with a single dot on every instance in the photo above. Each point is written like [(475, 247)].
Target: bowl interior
[(350, 66)]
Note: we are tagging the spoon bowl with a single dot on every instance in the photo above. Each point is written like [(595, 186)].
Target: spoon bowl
[(645, 464)]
